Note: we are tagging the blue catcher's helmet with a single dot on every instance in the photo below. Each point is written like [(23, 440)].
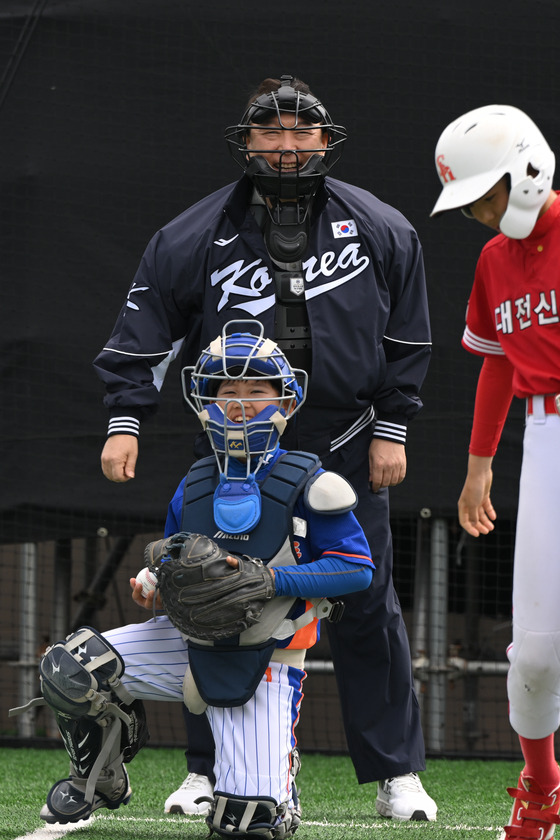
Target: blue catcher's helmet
[(235, 356), (243, 355)]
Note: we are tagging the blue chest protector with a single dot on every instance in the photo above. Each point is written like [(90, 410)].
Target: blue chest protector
[(227, 673)]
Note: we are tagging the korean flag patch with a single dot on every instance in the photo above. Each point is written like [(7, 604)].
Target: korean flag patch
[(345, 228)]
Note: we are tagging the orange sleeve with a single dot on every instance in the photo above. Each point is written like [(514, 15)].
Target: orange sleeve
[(493, 398)]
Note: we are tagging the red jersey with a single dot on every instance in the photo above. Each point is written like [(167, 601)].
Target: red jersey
[(514, 307)]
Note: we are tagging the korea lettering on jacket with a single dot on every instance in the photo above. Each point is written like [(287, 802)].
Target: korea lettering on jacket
[(363, 271)]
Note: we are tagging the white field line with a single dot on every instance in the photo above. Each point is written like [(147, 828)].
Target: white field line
[(385, 825), (55, 832)]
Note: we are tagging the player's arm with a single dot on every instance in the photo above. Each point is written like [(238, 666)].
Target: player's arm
[(175, 511), (330, 576), (147, 337), (476, 512), (336, 572), (407, 349), (334, 557), (492, 402)]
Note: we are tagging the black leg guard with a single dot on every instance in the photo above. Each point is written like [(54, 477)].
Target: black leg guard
[(101, 724), (69, 799), (251, 819), (261, 817), (97, 753)]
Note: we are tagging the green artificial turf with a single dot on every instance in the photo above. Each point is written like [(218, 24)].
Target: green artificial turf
[(471, 798)]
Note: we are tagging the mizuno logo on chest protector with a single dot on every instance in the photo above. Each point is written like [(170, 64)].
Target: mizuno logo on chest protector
[(222, 535)]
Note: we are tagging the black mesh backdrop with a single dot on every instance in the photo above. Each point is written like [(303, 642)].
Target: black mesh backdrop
[(111, 123)]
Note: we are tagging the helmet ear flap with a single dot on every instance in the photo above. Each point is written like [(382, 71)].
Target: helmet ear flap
[(479, 148)]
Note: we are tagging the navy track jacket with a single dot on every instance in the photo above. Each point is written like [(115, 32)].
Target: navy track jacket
[(365, 295)]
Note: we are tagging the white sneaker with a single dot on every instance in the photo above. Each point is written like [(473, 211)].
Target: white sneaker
[(185, 800), (404, 798)]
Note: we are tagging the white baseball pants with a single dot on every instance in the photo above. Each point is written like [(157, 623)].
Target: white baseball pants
[(534, 675), (253, 742)]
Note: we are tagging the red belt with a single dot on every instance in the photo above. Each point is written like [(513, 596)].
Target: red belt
[(550, 405)]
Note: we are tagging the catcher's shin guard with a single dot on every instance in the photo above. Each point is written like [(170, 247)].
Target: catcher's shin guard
[(247, 818), (69, 800), (100, 722)]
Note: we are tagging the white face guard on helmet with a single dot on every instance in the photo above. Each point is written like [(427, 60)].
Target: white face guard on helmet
[(476, 150)]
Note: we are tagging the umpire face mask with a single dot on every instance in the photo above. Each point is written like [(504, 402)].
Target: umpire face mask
[(286, 165), (286, 143)]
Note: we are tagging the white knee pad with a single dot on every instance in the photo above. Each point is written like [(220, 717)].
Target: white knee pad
[(534, 683)]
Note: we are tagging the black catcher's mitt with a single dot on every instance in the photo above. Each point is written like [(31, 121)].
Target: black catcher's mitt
[(203, 595)]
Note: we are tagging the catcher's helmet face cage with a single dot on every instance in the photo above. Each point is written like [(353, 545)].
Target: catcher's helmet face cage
[(286, 183), (479, 148), (242, 352)]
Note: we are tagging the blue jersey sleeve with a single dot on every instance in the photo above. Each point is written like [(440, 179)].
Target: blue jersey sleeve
[(333, 557), (326, 578)]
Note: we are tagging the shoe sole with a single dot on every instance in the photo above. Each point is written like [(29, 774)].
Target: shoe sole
[(416, 816), (176, 809)]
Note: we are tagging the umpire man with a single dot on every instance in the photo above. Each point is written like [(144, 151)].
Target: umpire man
[(336, 277)]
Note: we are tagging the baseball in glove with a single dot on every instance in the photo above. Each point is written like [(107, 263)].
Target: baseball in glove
[(203, 595)]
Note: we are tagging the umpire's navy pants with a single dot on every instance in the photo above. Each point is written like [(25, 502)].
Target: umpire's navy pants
[(369, 647)]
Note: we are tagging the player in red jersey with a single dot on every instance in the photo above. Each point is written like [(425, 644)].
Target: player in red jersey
[(496, 166)]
